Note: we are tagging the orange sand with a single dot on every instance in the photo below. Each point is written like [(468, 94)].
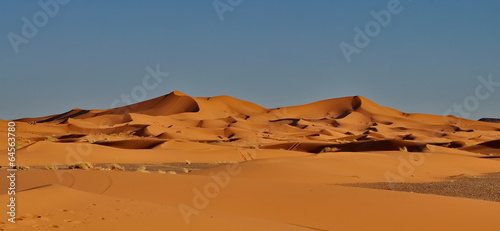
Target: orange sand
[(287, 164)]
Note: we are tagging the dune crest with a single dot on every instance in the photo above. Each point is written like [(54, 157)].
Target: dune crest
[(298, 167), (225, 120)]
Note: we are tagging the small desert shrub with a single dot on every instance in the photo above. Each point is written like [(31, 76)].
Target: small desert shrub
[(186, 170), (142, 169), (51, 139), (254, 147), (329, 149), (51, 167), (90, 140), (81, 165), (116, 167), (403, 149), (18, 146), (172, 172), (102, 168), (162, 172), (470, 176), (22, 167)]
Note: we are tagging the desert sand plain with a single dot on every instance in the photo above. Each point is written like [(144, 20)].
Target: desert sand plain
[(178, 162)]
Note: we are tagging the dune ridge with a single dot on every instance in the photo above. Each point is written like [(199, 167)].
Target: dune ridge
[(297, 166), (227, 120)]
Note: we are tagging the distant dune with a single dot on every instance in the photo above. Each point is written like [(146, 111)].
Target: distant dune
[(296, 163)]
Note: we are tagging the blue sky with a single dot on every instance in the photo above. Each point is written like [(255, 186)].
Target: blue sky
[(426, 59)]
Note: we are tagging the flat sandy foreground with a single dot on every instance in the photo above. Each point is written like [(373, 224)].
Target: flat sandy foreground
[(190, 163)]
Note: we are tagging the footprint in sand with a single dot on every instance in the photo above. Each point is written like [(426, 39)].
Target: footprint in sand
[(25, 220), (72, 221), (67, 211), (41, 218)]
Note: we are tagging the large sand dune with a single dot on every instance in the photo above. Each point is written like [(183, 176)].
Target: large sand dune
[(286, 168)]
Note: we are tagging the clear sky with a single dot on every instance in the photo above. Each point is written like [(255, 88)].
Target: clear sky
[(426, 58)]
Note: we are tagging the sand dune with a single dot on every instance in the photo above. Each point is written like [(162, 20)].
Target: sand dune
[(491, 148), (291, 163)]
